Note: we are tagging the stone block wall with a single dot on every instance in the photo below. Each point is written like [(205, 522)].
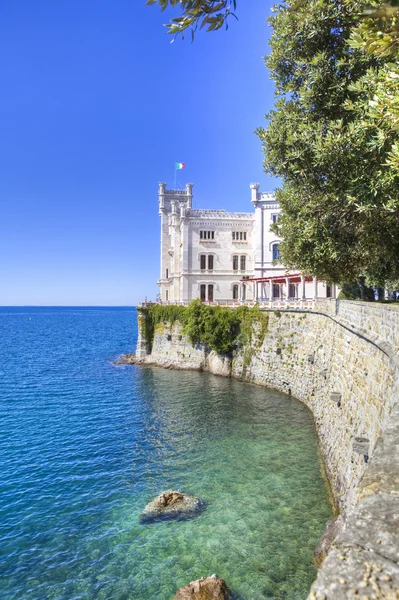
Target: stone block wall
[(378, 322)]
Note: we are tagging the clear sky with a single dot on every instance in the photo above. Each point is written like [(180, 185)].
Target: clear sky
[(96, 104)]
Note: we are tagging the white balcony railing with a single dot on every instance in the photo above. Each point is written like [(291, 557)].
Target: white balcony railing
[(276, 304)]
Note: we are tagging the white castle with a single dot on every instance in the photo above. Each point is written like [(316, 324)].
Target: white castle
[(226, 257)]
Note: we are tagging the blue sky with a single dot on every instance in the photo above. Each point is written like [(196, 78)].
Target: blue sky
[(96, 105)]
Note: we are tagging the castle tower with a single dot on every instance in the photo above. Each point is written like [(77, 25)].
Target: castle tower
[(174, 208), (267, 211)]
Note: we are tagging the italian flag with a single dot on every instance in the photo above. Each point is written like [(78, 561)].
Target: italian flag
[(180, 166)]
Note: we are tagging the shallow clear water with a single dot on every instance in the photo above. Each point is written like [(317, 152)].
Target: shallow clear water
[(84, 445)]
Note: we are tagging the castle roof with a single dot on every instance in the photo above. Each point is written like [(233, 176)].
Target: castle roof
[(219, 214)]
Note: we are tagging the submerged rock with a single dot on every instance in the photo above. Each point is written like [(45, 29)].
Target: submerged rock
[(333, 528), (206, 588), (172, 504)]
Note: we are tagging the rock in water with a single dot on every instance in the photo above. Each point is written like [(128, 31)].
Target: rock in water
[(333, 528), (172, 504), (206, 588), (126, 359)]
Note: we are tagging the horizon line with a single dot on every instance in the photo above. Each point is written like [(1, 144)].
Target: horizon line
[(68, 305)]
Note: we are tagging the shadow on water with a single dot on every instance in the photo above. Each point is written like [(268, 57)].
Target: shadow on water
[(236, 596)]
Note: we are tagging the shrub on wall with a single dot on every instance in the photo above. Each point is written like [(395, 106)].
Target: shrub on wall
[(150, 316), (219, 328), (216, 327)]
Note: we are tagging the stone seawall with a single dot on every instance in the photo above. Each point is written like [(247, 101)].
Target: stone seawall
[(342, 362)]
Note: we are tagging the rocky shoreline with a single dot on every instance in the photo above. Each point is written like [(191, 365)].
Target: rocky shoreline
[(127, 359)]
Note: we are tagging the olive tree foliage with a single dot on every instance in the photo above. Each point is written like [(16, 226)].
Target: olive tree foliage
[(208, 14), (333, 138), (378, 34), (378, 30)]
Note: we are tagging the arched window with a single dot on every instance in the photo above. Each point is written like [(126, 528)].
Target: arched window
[(276, 252), (202, 292), (242, 262), (203, 262), (235, 292), (210, 262), (167, 273), (235, 263), (210, 293)]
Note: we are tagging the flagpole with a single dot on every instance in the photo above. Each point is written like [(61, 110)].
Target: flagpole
[(175, 175)]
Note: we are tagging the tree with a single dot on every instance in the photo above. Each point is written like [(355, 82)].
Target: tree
[(335, 154), (211, 14)]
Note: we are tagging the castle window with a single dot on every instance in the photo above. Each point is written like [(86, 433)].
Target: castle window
[(210, 293), (203, 292), (235, 292), (203, 262), (276, 218), (329, 291), (235, 263), (167, 273), (276, 252), (239, 236), (207, 235), (167, 295), (242, 263), (210, 262)]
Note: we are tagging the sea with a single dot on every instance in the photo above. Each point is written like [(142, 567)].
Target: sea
[(86, 444)]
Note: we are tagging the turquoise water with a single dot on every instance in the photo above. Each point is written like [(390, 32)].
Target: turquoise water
[(84, 445)]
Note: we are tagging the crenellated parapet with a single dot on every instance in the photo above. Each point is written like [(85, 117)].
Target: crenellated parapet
[(170, 198)]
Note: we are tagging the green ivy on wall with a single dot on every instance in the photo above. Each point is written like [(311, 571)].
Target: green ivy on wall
[(218, 328)]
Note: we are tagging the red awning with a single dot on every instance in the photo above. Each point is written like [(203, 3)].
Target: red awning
[(294, 278)]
